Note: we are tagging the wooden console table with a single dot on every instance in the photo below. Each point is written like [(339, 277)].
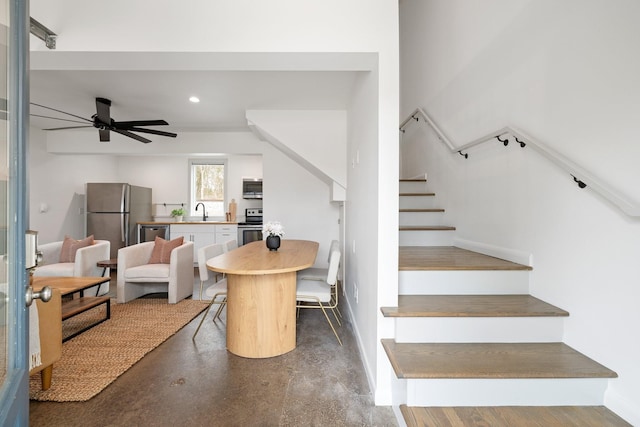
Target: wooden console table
[(74, 306), (261, 295)]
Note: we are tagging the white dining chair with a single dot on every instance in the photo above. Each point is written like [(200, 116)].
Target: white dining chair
[(218, 291), (205, 253), (319, 273), (323, 293), (230, 245)]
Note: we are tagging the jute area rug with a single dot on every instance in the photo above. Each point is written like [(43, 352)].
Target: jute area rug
[(94, 359)]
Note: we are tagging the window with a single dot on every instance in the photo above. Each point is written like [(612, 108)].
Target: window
[(207, 178)]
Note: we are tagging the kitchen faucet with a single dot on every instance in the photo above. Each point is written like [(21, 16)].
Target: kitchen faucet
[(204, 211)]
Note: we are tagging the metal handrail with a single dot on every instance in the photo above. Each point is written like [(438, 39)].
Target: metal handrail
[(581, 176)]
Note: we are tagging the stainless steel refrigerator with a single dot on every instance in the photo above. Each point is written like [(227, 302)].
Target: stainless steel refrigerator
[(114, 210)]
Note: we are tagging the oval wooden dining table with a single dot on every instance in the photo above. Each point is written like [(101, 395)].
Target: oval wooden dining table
[(261, 295)]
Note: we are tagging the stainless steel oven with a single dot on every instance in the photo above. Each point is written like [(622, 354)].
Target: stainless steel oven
[(251, 229)]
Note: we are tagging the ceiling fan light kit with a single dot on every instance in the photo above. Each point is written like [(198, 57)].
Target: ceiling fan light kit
[(105, 124)]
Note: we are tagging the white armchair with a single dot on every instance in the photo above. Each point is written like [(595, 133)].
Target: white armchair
[(85, 263), (136, 277)]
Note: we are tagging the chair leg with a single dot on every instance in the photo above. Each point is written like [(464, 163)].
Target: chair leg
[(333, 305), (334, 302), (333, 310), (218, 312), (317, 300), (330, 324), (220, 308), (204, 316), (201, 283)]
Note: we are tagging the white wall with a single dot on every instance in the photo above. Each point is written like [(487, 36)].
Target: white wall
[(300, 202), (363, 243), (306, 151), (163, 168), (168, 176), (318, 137), (57, 182), (565, 73), (219, 26), (355, 26)]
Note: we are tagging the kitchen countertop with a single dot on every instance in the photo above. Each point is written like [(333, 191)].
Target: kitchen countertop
[(186, 222)]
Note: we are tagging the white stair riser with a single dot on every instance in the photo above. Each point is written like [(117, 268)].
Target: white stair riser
[(478, 329), (463, 282), (421, 218), (413, 187), (418, 202), (426, 238), (506, 392)]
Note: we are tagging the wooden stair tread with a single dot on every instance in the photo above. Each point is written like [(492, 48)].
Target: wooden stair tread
[(417, 194), (426, 228), (450, 258), (511, 416), (471, 306), (422, 210), (491, 361)]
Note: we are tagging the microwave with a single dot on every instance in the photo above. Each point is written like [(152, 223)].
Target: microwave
[(252, 188)]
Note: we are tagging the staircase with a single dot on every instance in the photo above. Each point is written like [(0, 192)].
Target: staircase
[(471, 346)]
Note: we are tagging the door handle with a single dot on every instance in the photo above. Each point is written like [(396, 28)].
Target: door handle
[(44, 295)]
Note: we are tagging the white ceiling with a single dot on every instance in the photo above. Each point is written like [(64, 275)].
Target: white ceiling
[(163, 94)]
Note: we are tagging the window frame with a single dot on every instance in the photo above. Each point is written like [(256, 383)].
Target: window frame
[(191, 181)]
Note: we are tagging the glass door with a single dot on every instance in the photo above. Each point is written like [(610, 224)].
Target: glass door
[(14, 98)]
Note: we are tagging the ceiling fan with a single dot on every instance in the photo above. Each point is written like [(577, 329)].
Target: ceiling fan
[(105, 124)]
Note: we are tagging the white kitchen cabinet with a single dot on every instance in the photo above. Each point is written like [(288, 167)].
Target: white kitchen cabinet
[(201, 235), (226, 232)]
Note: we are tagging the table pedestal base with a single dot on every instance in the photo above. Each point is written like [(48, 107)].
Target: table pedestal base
[(261, 314)]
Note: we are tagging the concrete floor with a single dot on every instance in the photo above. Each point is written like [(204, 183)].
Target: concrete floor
[(199, 383)]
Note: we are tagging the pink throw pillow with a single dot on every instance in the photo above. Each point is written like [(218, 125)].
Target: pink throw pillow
[(161, 253), (70, 247)]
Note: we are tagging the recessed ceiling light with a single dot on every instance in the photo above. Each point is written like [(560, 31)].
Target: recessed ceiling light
[(194, 99)]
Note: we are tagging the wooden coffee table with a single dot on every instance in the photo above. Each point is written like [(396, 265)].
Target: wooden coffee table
[(76, 305)]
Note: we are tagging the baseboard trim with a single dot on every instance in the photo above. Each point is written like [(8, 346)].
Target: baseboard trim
[(622, 407), (363, 354), (508, 254)]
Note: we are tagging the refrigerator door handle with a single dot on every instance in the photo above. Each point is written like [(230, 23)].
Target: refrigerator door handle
[(123, 230), (122, 198)]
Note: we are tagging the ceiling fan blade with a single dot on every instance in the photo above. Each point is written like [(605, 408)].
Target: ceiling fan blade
[(133, 123), (60, 111), (153, 131), (56, 118), (132, 135), (69, 127), (103, 110)]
